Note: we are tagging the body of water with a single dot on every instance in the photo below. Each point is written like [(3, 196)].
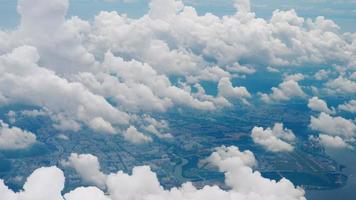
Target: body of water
[(348, 192)]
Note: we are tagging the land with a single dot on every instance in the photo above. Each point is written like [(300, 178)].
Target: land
[(177, 160)]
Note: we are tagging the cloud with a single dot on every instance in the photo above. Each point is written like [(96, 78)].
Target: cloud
[(62, 137), (225, 89), (319, 105), (145, 88), (87, 193), (321, 75), (341, 85), (348, 106), (241, 69), (285, 91), (103, 73), (225, 41), (159, 128), (33, 113), (209, 74), (136, 137), (333, 125), (131, 61), (124, 186), (43, 25), (272, 69), (295, 77), (13, 138), (100, 125), (43, 184), (277, 139), (11, 115), (162, 9), (6, 193), (242, 5), (333, 141), (337, 130), (21, 81), (152, 129), (245, 183), (88, 167), (175, 34)]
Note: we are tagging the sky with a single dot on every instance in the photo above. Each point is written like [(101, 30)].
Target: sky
[(343, 12)]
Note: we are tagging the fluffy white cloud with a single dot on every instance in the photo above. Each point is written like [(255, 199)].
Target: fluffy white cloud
[(295, 77), (348, 106), (33, 113), (58, 40), (335, 132), (332, 141), (198, 39), (21, 81), (334, 126), (143, 184), (321, 75), (88, 167), (226, 90), (209, 74), (129, 61), (277, 139), (43, 184), (242, 5), (159, 128), (152, 129), (287, 90), (12, 138), (100, 125), (173, 38), (124, 186), (101, 73), (6, 193), (319, 105), (135, 136), (145, 87), (87, 193), (241, 69), (341, 85)]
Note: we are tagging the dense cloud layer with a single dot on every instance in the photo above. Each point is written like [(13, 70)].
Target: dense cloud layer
[(22, 81), (131, 61), (142, 184)]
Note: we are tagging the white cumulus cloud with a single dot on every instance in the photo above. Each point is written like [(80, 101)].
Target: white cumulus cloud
[(287, 90), (277, 139), (142, 184), (319, 105), (348, 106), (88, 167), (12, 138), (135, 136), (335, 132)]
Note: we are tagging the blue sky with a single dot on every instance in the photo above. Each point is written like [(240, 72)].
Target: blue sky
[(342, 12)]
